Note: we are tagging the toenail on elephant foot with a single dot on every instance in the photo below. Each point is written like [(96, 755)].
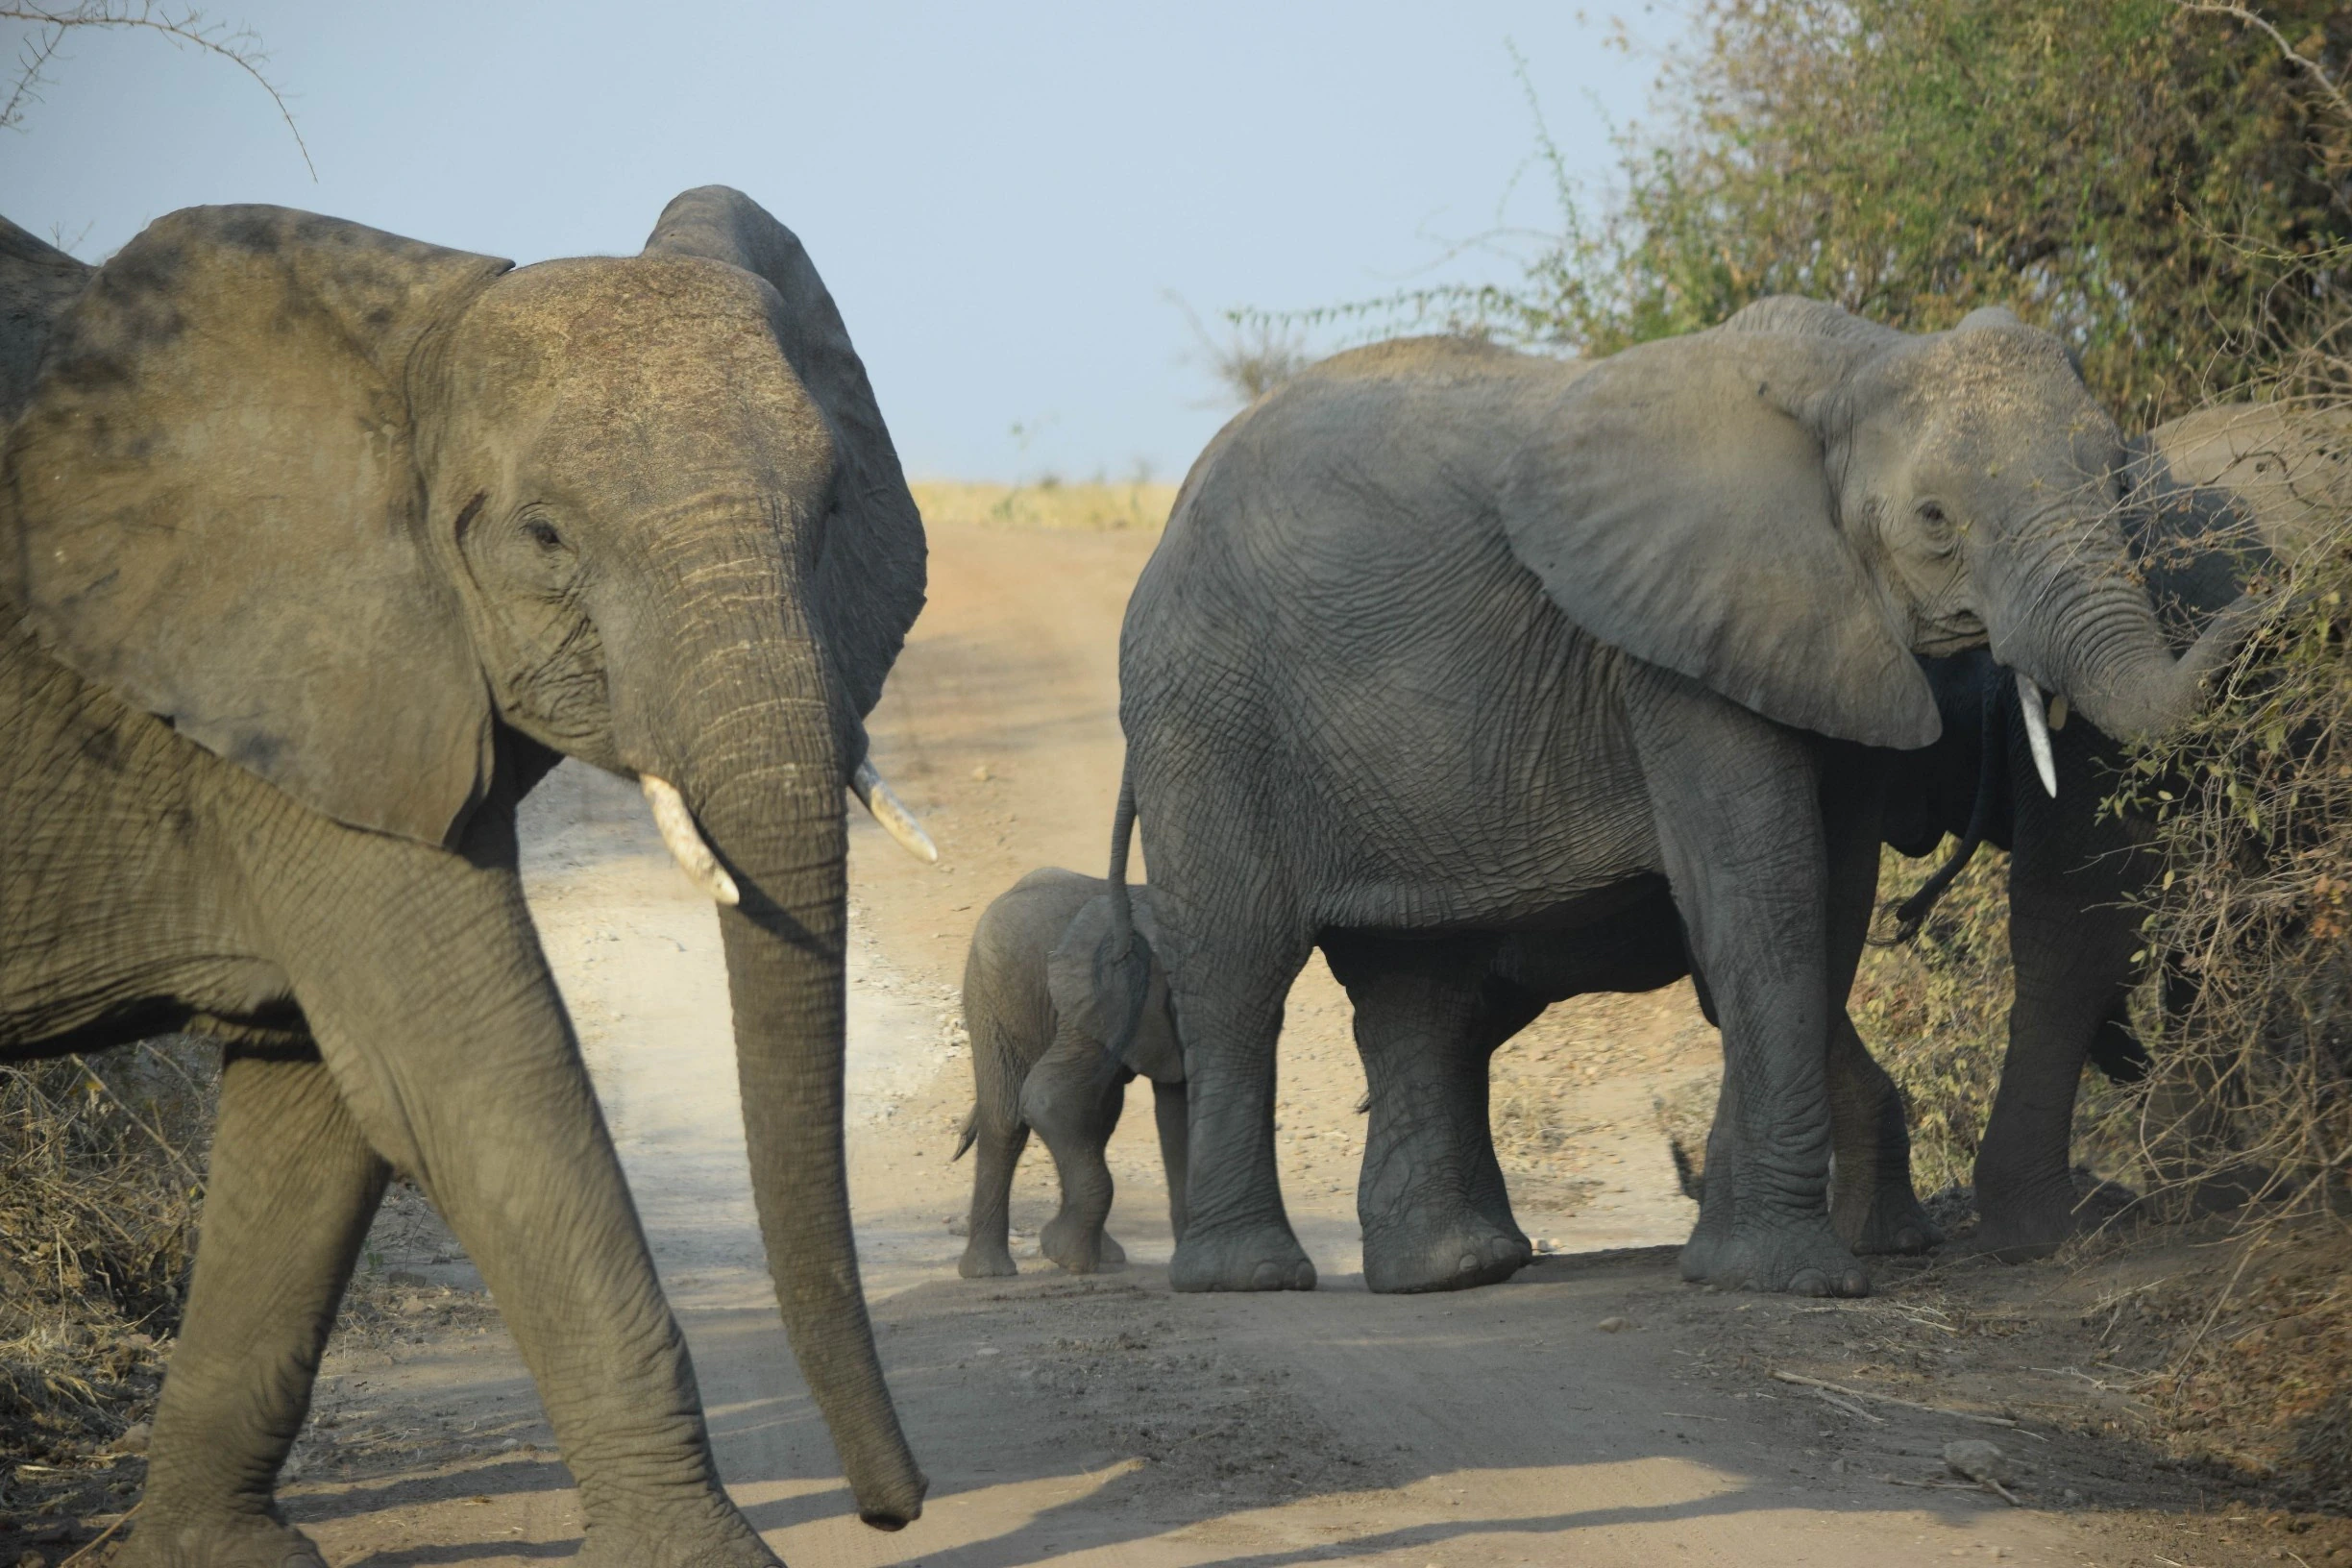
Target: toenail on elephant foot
[(1078, 1248), (239, 1543), (1264, 1258), (721, 1542), (987, 1263), (2023, 1228), (1894, 1225), (1460, 1259), (1799, 1258)]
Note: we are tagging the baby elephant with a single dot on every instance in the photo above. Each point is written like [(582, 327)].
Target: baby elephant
[(1039, 1011)]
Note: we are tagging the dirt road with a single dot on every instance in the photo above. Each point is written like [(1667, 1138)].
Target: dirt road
[(1594, 1410)]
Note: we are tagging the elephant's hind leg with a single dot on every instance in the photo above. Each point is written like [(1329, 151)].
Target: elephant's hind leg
[(292, 1188), (1431, 1199), (997, 1141), (1229, 995)]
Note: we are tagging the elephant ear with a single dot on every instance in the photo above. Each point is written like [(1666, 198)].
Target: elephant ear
[(868, 583), (1089, 990), (1677, 506), (1794, 315), (38, 282), (211, 505)]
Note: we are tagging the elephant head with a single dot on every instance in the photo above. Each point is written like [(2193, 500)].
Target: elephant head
[(2221, 493), (1790, 506), (375, 520)]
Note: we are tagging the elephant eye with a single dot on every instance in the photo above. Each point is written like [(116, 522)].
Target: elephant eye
[(543, 533), (1935, 523)]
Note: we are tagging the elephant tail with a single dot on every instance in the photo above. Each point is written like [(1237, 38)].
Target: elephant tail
[(969, 1134), (1123, 982), (1991, 772)]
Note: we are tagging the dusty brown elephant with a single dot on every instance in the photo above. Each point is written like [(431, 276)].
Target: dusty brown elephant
[(325, 544)]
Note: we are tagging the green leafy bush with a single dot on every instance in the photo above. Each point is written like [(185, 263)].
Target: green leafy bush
[(2162, 185)]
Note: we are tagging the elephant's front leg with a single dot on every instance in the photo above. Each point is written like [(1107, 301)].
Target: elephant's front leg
[(287, 1201), (1737, 813), (441, 1026), (1871, 1201), (2070, 943)]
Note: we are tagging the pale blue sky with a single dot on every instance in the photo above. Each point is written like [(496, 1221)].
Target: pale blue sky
[(1001, 197)]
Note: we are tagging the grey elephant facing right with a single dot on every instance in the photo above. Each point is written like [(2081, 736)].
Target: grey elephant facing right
[(1040, 1023)]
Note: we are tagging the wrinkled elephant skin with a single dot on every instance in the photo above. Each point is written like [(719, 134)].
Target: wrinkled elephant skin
[(326, 543), (1445, 644), (1040, 1023), (2213, 498)]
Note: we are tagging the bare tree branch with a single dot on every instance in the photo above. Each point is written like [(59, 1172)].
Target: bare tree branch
[(2253, 19), (186, 25)]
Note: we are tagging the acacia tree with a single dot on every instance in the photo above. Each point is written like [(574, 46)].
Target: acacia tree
[(48, 27)]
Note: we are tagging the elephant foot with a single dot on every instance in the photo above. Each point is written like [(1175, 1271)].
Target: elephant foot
[(1889, 1221), (1471, 1251), (986, 1261), (1798, 1256), (2233, 1188), (1264, 1257), (717, 1536), (2022, 1228), (1080, 1248), (251, 1541)]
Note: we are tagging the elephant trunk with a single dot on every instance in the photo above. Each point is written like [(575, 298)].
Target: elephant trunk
[(753, 741), (785, 947), (2088, 632)]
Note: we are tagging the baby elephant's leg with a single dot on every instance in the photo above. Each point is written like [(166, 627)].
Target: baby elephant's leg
[(998, 1137), (1170, 1109), (1074, 1109)]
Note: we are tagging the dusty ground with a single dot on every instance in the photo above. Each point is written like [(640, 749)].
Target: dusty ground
[(1594, 1410)]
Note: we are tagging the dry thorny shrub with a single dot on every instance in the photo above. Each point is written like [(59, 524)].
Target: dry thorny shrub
[(101, 1168), (2253, 807)]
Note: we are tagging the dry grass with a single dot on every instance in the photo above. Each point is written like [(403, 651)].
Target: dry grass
[(100, 1179), (2254, 811), (1098, 506), (100, 1182)]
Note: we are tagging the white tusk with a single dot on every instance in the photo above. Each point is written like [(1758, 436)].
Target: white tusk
[(685, 840), (2037, 732), (892, 812), (2058, 713)]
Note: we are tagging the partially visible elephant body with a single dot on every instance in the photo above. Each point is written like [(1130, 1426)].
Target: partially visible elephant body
[(2214, 497), (1039, 1023), (318, 548), (1448, 651)]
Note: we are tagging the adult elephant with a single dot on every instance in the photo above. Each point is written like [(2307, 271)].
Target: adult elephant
[(1448, 643), (325, 544), (2213, 498)]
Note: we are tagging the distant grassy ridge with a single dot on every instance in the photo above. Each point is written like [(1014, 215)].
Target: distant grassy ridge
[(1048, 505)]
